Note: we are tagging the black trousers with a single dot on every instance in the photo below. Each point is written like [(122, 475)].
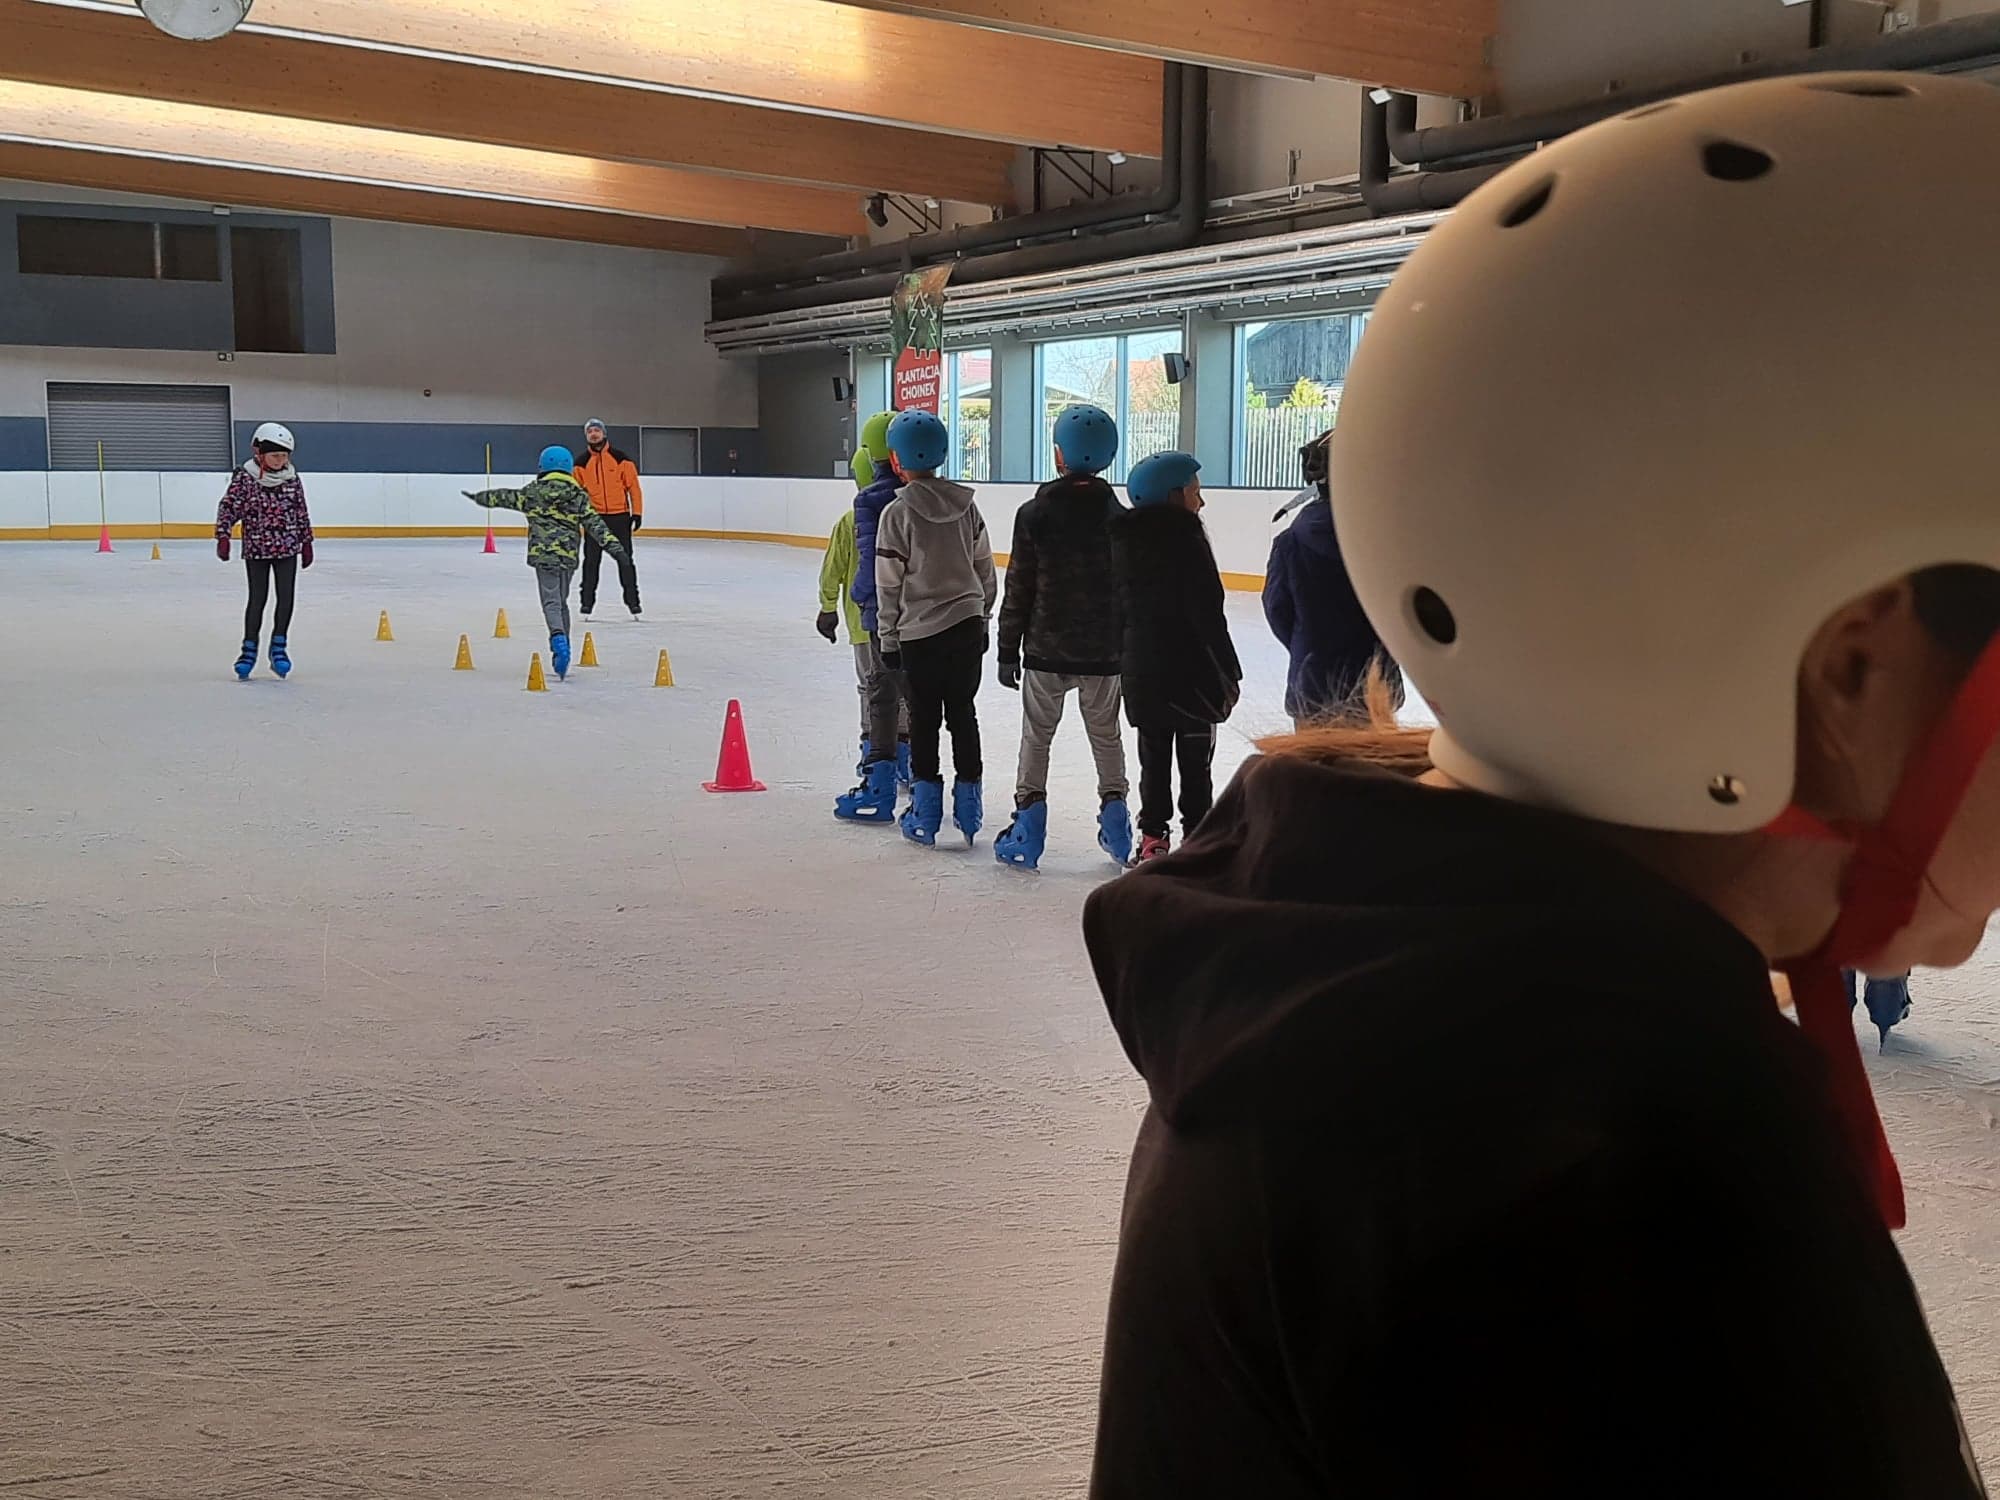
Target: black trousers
[(262, 570), (593, 561), (944, 672), (1158, 750)]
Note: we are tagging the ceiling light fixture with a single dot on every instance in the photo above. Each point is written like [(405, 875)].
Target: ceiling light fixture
[(196, 20)]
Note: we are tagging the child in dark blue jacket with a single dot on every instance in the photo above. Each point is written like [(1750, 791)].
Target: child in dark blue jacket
[(1313, 611), (874, 800)]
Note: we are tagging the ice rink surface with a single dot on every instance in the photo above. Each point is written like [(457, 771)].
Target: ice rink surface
[(410, 1086)]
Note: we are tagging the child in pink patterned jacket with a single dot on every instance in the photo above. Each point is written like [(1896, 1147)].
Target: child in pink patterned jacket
[(267, 498)]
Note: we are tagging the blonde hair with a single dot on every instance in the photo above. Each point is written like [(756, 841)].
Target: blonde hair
[(1367, 732)]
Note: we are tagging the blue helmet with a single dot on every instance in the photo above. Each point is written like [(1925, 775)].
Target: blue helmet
[(556, 458), (919, 441), (1087, 439), (1154, 480)]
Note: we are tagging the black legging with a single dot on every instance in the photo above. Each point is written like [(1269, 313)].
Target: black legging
[(262, 571)]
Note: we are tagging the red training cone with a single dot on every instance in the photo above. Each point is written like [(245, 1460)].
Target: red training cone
[(732, 767), (104, 538), (490, 548)]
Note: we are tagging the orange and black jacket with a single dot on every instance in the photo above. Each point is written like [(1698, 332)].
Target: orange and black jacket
[(612, 481)]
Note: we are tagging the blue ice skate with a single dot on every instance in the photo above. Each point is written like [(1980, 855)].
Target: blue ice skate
[(926, 813), (281, 661), (1021, 843), (1114, 831), (247, 662), (968, 809), (902, 762), (874, 801), (559, 655)]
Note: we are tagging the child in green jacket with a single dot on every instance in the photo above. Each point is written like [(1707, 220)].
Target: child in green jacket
[(559, 512), (836, 573)]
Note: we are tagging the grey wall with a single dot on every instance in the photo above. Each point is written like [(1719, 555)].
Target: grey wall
[(453, 328), (804, 431)]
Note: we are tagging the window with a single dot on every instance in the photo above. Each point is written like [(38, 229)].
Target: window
[(183, 427), (268, 290), (1126, 376), (52, 245), (1289, 377), (968, 379)]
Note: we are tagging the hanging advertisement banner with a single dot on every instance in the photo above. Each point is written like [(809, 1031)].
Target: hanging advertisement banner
[(916, 329)]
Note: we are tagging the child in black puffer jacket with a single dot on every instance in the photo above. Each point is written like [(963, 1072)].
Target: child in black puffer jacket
[(1060, 622)]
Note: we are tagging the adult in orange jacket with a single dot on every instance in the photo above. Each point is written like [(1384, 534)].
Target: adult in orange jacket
[(612, 482)]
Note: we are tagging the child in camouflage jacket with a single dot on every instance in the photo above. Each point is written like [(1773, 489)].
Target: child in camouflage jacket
[(558, 511)]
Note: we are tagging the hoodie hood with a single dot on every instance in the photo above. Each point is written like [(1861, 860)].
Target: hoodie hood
[(1313, 527), (1336, 931), (936, 500)]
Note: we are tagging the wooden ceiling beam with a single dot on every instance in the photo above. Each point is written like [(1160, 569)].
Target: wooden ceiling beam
[(115, 53), (38, 114), (1427, 46), (233, 188), (796, 54)]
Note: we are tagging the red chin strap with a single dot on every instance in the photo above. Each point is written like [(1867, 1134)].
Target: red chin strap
[(1878, 899)]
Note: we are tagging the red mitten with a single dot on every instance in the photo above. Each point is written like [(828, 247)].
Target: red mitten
[(306, 554), (222, 548)]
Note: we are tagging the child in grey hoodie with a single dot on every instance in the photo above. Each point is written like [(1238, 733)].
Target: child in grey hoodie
[(934, 593)]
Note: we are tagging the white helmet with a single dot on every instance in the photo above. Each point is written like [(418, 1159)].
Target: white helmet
[(274, 435), (1656, 402)]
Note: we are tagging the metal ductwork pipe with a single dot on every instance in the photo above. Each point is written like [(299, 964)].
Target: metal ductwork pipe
[(1943, 47), (1414, 192), (1168, 217)]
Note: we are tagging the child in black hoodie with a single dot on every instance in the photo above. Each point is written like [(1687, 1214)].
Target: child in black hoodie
[(1180, 672)]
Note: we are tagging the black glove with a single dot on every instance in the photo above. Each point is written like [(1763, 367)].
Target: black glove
[(892, 661), (1010, 674), (825, 625), (637, 519)]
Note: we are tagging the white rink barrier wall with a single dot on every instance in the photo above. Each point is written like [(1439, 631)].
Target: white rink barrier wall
[(64, 506)]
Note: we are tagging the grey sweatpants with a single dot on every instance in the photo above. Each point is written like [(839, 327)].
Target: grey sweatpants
[(1042, 698), (554, 586), (864, 683)]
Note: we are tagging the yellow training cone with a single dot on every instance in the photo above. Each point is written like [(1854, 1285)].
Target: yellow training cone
[(156, 552), (589, 657), (464, 662), (500, 630), (665, 676), (382, 631), (536, 682)]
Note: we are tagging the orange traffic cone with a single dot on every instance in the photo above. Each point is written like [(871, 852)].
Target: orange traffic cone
[(104, 538), (589, 657), (500, 630), (732, 767), (664, 677), (464, 662), (537, 683)]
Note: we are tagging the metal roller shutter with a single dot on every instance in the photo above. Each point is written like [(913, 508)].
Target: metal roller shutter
[(141, 426), (669, 450)]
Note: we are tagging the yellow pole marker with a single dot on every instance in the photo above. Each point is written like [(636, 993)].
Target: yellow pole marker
[(382, 631), (665, 676), (464, 662), (536, 682), (589, 657), (500, 630)]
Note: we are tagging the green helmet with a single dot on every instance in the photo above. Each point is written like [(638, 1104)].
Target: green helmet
[(864, 468), (875, 436)]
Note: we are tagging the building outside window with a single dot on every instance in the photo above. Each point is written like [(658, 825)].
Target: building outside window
[(1121, 373), (968, 408), (1289, 377)]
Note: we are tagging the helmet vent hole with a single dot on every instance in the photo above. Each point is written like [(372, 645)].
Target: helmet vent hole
[(1528, 204), (1726, 790), (1651, 109), (1732, 161), (1434, 616), (1863, 88)]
